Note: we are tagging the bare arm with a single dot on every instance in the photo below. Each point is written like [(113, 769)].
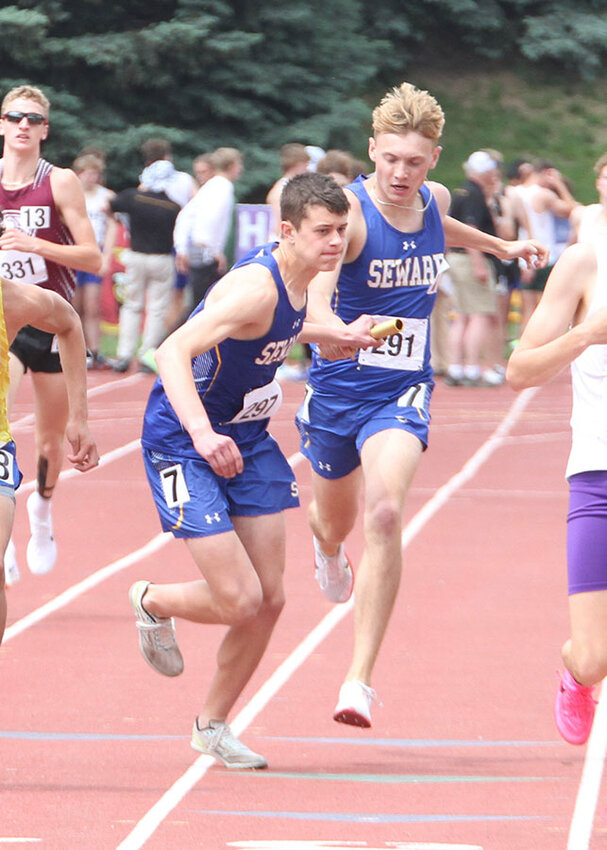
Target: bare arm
[(69, 198), (547, 345), (238, 307), (461, 235), (43, 309)]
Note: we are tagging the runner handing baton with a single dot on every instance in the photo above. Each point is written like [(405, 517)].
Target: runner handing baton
[(364, 422)]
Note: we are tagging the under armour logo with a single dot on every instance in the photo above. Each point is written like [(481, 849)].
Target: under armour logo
[(407, 245), (212, 518), (326, 466)]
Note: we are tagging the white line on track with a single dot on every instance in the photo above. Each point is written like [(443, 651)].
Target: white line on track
[(580, 831), (108, 571), (29, 418), (89, 582), (173, 796)]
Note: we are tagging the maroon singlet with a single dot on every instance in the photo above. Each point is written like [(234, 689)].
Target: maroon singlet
[(32, 209)]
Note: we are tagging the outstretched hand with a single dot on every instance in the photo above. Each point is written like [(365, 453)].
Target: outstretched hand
[(530, 250)]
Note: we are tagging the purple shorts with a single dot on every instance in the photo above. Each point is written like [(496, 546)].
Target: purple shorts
[(587, 532)]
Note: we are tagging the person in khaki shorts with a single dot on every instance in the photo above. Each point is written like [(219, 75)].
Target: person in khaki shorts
[(474, 329)]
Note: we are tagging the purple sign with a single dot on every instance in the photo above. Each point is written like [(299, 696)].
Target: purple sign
[(253, 223)]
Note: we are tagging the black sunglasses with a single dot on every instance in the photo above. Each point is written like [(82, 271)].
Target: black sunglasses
[(32, 117)]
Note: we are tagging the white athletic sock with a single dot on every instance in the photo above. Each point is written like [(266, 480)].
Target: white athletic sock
[(456, 370), (41, 508)]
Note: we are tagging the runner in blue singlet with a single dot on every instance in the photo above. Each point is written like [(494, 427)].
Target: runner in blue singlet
[(364, 422), (218, 478)]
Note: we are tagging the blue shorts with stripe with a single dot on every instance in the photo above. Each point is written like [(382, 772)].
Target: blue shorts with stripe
[(10, 474), (333, 429), (192, 501)]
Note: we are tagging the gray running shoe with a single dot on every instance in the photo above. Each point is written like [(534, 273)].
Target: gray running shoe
[(218, 740), (333, 573), (157, 639)]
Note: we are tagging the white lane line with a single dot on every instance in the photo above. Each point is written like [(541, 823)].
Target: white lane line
[(83, 586), (148, 824), (108, 457), (580, 832), (102, 574), (29, 418)]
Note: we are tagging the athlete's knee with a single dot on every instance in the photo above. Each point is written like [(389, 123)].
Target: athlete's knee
[(272, 604), (384, 519), (240, 605)]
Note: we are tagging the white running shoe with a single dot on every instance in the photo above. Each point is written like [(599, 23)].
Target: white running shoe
[(354, 704), (157, 638), (11, 567), (218, 740), (333, 573), (41, 553)]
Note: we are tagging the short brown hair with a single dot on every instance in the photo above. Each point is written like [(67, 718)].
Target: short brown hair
[(154, 149), (308, 190), (406, 108), (292, 154)]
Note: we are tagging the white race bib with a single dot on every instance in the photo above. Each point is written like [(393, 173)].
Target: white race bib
[(403, 350), (173, 486), (7, 467), (22, 267), (260, 403)]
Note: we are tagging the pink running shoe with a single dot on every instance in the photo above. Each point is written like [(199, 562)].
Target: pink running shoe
[(574, 709)]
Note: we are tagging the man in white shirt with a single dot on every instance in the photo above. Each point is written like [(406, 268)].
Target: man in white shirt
[(203, 226)]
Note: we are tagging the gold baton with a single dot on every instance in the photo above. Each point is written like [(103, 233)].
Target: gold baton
[(385, 329)]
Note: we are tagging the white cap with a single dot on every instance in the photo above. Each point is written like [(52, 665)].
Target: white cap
[(479, 162), (316, 154)]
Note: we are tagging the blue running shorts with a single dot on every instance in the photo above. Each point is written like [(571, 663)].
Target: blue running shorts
[(333, 429), (10, 474), (192, 501)]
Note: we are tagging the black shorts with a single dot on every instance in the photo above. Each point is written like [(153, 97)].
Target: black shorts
[(34, 349)]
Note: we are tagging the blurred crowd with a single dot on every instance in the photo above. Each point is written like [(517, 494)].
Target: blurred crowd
[(173, 231)]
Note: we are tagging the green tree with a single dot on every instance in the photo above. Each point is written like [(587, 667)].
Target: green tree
[(200, 73)]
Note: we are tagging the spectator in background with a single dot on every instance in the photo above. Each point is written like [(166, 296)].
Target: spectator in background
[(203, 227), (87, 298), (473, 336), (294, 159), (545, 194), (152, 208), (160, 175), (589, 224), (202, 167), (339, 165)]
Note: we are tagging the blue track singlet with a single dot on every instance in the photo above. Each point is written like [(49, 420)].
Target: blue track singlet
[(235, 379), (395, 276)]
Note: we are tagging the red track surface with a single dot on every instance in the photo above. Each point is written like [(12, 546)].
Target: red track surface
[(463, 750)]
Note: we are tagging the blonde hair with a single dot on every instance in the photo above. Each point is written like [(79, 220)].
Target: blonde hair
[(222, 158), (406, 108), (27, 93), (86, 162)]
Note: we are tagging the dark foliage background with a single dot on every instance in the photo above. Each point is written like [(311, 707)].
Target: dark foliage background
[(253, 75)]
